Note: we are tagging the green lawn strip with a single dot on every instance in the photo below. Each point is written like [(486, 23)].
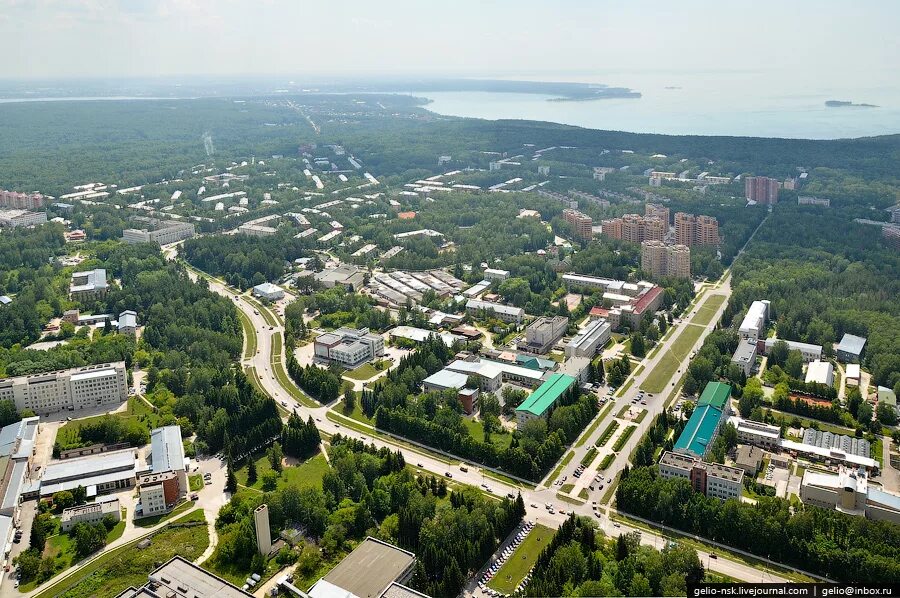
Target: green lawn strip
[(476, 431), (705, 314), (665, 368), (559, 468), (238, 576), (249, 335), (610, 490), (276, 355), (566, 488), (267, 315), (307, 474), (521, 560), (363, 372), (625, 387), (593, 427), (353, 425), (589, 456), (623, 411), (806, 422), (583, 494), (623, 438), (116, 532), (111, 572), (878, 452), (569, 499), (356, 414), (607, 433), (156, 519), (689, 540), (638, 370), (292, 389), (195, 482), (606, 461), (640, 416)]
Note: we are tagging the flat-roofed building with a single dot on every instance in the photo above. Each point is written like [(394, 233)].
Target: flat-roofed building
[(98, 474), (348, 346), (850, 349), (88, 285), (167, 455), (127, 322), (543, 333), (852, 373), (710, 479), (493, 373), (808, 352), (754, 323), (367, 572), (180, 578), (761, 189), (706, 420), (582, 224), (161, 232), (745, 355), (507, 313), (268, 291), (77, 388), (659, 211), (21, 201), (345, 275), (159, 493), (820, 372), (17, 218), (756, 433), (90, 513), (589, 339), (749, 458), (539, 403), (849, 491), (495, 274)]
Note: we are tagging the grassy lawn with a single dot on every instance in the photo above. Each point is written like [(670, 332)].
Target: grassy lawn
[(623, 438), (116, 532), (589, 456), (151, 521), (705, 314), (293, 390), (666, 367), (625, 387), (195, 482), (640, 416), (593, 428), (363, 372), (560, 467), (607, 433), (356, 414), (623, 411), (607, 460), (113, 571), (566, 488), (307, 474), (583, 494), (249, 335), (236, 575), (267, 315), (878, 452), (476, 431), (522, 560), (69, 434)]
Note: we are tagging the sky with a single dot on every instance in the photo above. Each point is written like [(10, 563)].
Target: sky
[(553, 40)]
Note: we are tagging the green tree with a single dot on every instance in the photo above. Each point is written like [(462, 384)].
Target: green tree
[(276, 456), (251, 471), (349, 400), (269, 481), (778, 354), (794, 365), (230, 479)]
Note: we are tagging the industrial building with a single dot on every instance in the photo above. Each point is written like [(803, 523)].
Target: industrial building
[(420, 335), (539, 403), (77, 388), (754, 323), (268, 291), (808, 351), (659, 260), (706, 420), (161, 232), (745, 356), (90, 513), (17, 218), (820, 372), (180, 578), (543, 333), (17, 444), (348, 347), (345, 275), (507, 313), (167, 454), (849, 492), (761, 189), (850, 349), (98, 474), (710, 479), (400, 287), (375, 569), (88, 285), (589, 339)]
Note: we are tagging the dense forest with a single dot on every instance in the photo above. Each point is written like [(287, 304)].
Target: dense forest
[(829, 543), (244, 260)]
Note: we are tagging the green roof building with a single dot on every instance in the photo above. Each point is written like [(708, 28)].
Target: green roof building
[(541, 400), (715, 394), (701, 429)]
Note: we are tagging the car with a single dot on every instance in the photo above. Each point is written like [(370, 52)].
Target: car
[(195, 496), (594, 502), (318, 419), (208, 482), (615, 524), (548, 505), (419, 465), (448, 474), (713, 555), (271, 328), (533, 506), (463, 469), (510, 495), (591, 488), (643, 402), (600, 487)]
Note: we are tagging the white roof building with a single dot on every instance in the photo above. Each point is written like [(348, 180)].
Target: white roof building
[(754, 322), (269, 291), (821, 372)]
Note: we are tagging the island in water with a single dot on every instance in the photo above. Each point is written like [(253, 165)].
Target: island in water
[(846, 104)]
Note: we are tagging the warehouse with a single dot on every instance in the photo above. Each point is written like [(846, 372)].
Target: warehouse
[(98, 474)]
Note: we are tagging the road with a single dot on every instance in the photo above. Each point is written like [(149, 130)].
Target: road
[(262, 362)]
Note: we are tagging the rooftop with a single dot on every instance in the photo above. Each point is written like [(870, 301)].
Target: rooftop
[(850, 343), (179, 578), (166, 449), (447, 379), (267, 288), (715, 394), (699, 431), (547, 394), (367, 572)]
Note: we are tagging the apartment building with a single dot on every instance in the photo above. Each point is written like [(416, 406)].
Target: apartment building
[(710, 479), (754, 323), (161, 232), (761, 189), (691, 230), (659, 211), (635, 228), (88, 285), (582, 224), (21, 201), (77, 388), (348, 347), (808, 200), (543, 333), (659, 259)]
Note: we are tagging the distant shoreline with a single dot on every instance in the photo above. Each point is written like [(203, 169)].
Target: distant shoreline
[(847, 104)]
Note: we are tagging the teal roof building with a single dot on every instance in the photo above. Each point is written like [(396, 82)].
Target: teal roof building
[(701, 429), (547, 394)]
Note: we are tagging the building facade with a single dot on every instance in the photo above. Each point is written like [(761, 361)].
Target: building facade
[(164, 233), (507, 313), (159, 493), (90, 513), (348, 347), (591, 338), (77, 388), (635, 228), (21, 201), (745, 356), (582, 224), (657, 210), (543, 333), (691, 230), (710, 479), (539, 403), (16, 218), (761, 189), (754, 323), (659, 259), (88, 285)]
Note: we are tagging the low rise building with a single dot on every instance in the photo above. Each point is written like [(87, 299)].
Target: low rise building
[(161, 232), (756, 433), (543, 333), (492, 374), (268, 291), (753, 325), (540, 402), (180, 578), (706, 420), (589, 339), (745, 356), (345, 275), (495, 274), (98, 474), (127, 323), (808, 352), (17, 218), (852, 373), (88, 285), (17, 445), (159, 493), (820, 372), (850, 349), (849, 492), (749, 458), (507, 313), (710, 479), (375, 569), (90, 513), (77, 388), (348, 347)]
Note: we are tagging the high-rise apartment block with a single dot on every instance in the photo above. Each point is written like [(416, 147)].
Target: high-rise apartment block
[(659, 259), (691, 230), (21, 201), (655, 210), (635, 228), (582, 224), (761, 189)]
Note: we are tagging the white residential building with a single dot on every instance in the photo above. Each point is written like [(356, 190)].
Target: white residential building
[(756, 433), (745, 355), (15, 218), (77, 388), (165, 232), (348, 347), (754, 323)]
